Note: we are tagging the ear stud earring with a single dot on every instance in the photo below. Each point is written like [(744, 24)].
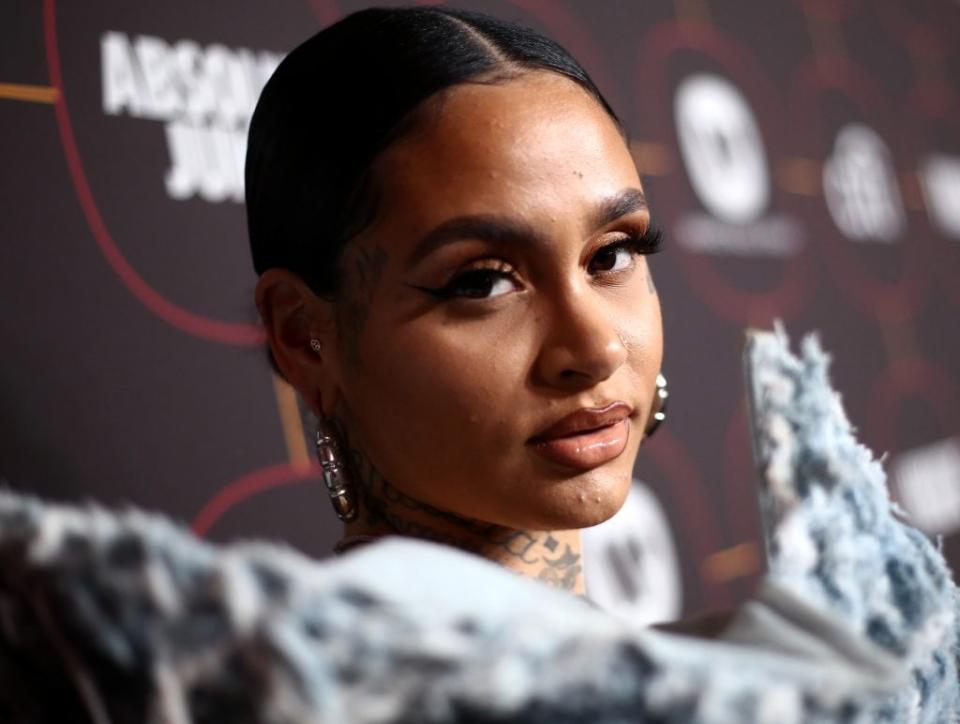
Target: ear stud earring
[(316, 345)]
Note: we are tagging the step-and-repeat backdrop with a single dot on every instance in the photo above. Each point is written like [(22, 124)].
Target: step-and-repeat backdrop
[(803, 157)]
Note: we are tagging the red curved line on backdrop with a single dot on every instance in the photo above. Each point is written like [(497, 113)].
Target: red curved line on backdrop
[(251, 484), (189, 322), (830, 11), (326, 11), (917, 32), (690, 497), (740, 478)]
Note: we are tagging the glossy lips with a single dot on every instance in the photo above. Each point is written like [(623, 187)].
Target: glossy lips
[(587, 438)]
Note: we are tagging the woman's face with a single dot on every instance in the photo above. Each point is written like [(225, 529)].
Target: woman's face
[(506, 198)]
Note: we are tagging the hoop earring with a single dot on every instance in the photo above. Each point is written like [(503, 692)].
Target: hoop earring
[(658, 413), (335, 472)]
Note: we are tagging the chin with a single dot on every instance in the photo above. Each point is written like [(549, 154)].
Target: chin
[(577, 503)]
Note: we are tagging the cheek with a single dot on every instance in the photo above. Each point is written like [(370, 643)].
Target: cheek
[(652, 323), (432, 398), (640, 328), (443, 407), (636, 315)]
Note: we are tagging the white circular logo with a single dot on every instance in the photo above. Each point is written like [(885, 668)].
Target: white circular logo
[(630, 562), (860, 186), (722, 148)]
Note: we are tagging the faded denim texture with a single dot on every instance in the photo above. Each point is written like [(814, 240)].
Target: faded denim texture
[(126, 616)]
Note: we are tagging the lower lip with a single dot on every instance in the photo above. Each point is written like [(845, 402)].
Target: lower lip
[(589, 449)]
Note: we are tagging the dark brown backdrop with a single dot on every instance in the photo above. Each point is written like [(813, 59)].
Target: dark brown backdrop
[(803, 158)]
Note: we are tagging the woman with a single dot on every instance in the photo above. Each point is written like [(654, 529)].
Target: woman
[(451, 235)]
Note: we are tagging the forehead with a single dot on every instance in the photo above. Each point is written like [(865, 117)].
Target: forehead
[(537, 143)]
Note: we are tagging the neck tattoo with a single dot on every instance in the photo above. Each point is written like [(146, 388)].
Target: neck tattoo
[(550, 556)]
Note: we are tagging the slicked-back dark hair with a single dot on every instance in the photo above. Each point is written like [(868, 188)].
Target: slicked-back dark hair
[(341, 97)]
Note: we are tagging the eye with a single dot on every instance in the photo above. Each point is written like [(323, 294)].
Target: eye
[(614, 257), (619, 255), (482, 283)]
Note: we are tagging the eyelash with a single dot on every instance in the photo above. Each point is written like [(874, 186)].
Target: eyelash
[(650, 242)]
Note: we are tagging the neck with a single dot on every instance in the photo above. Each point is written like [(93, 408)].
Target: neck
[(550, 556)]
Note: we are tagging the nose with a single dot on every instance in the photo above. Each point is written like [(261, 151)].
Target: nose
[(581, 345)]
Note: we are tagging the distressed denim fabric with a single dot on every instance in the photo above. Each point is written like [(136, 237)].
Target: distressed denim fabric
[(124, 616), (835, 539)]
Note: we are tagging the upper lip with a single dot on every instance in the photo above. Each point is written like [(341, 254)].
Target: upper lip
[(587, 418)]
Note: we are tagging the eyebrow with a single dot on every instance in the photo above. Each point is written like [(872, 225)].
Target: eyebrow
[(501, 230), (626, 202)]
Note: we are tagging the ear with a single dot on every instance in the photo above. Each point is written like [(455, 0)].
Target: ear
[(293, 315)]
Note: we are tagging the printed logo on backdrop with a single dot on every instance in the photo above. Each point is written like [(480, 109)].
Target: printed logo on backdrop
[(722, 148), (914, 410), (929, 30), (860, 187), (864, 216), (927, 479), (726, 163), (702, 93), (153, 115), (202, 95), (631, 563)]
